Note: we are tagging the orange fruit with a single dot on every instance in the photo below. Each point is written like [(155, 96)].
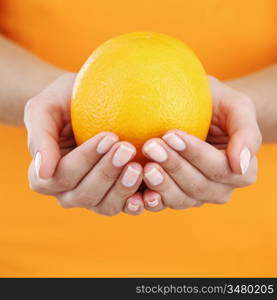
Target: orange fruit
[(140, 85)]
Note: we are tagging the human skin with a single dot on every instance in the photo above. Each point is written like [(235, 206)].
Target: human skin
[(184, 171)]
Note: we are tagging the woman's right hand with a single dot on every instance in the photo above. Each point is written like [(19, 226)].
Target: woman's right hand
[(96, 175)]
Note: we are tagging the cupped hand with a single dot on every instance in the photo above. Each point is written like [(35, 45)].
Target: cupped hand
[(186, 172), (96, 175)]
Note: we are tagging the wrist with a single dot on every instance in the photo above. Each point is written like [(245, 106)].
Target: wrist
[(241, 85), (262, 89)]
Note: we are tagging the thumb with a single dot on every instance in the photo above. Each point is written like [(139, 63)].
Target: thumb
[(43, 126), (245, 136)]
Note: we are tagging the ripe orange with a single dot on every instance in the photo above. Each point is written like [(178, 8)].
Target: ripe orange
[(139, 85)]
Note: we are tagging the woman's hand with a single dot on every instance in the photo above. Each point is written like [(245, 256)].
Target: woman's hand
[(96, 175), (189, 172)]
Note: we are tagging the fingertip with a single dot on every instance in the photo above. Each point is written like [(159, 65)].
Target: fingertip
[(151, 199), (131, 175), (135, 165), (148, 143), (174, 141), (134, 204), (239, 154), (245, 157), (153, 174), (45, 162), (107, 140), (149, 166)]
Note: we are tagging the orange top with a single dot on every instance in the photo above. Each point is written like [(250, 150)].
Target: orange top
[(38, 238)]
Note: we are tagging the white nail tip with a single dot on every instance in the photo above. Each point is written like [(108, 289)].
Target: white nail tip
[(133, 207), (154, 176), (245, 157), (105, 144), (174, 141), (153, 203), (150, 146), (122, 156), (133, 170), (37, 163), (156, 151), (130, 177)]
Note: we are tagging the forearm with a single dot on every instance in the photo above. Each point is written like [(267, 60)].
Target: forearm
[(22, 76), (262, 89)]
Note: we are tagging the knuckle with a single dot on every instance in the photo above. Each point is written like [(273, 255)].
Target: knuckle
[(223, 199), (220, 175), (195, 156), (108, 211), (106, 176), (71, 199), (248, 180), (35, 187), (87, 201), (199, 188), (180, 203), (64, 183), (121, 193), (38, 187), (173, 167), (65, 204), (64, 200)]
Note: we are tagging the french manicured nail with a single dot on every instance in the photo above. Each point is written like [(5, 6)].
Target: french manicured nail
[(175, 141), (105, 144), (154, 176), (37, 163), (153, 203), (133, 205), (156, 151), (122, 155), (130, 177), (244, 160)]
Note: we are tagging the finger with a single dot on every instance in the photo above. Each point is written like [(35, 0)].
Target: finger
[(210, 161), (199, 203), (45, 116), (153, 201), (126, 185), (43, 125), (76, 164), (157, 180), (92, 189), (240, 123), (190, 180), (245, 136), (134, 205)]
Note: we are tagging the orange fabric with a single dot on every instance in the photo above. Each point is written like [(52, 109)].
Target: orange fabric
[(38, 238)]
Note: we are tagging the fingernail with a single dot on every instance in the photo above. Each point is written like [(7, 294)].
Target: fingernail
[(156, 151), (153, 202), (154, 176), (105, 144), (133, 205), (174, 141), (37, 163), (122, 156), (244, 160), (130, 177)]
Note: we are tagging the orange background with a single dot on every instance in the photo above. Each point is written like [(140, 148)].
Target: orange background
[(38, 238)]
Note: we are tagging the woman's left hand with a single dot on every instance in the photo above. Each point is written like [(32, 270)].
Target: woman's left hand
[(185, 171)]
